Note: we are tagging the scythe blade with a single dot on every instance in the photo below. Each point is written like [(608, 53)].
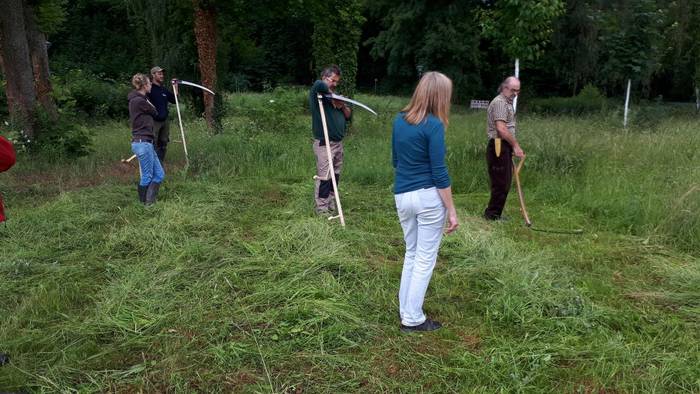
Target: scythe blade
[(348, 100), (181, 82)]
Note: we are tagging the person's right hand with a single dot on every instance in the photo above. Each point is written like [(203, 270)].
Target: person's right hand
[(452, 222), (518, 152)]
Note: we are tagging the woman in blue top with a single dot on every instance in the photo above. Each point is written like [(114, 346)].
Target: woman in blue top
[(422, 192)]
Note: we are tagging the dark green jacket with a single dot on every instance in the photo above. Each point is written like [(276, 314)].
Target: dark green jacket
[(335, 119)]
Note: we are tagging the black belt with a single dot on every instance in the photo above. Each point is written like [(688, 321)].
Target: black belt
[(141, 140)]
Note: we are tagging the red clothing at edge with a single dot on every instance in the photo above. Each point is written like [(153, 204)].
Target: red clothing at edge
[(7, 160)]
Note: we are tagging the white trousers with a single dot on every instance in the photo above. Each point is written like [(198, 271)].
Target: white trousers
[(422, 215)]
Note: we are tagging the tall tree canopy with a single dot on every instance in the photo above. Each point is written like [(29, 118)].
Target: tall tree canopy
[(413, 40), (381, 44)]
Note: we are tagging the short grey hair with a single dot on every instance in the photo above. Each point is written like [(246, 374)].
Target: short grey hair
[(330, 71), (507, 82)]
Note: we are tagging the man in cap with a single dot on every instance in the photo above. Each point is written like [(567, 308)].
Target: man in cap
[(160, 97)]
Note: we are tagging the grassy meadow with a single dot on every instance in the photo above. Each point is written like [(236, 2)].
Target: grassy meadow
[(231, 284)]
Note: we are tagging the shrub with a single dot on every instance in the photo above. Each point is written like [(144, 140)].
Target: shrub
[(57, 137), (589, 100), (84, 92)]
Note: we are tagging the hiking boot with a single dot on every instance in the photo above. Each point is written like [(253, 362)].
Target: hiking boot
[(142, 193), (427, 325), (152, 193)]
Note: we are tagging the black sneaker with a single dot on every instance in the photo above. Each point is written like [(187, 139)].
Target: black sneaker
[(427, 325), (4, 359)]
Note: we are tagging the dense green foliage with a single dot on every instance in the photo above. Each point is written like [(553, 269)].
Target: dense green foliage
[(386, 45), (413, 41), (521, 28), (337, 30), (588, 101), (230, 284)]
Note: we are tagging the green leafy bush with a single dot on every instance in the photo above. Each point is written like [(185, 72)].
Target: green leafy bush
[(57, 137), (650, 114), (589, 100), (84, 92)]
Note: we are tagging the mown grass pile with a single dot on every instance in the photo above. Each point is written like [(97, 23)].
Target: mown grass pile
[(231, 284)]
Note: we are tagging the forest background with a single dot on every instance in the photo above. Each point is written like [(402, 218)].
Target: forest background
[(91, 48)]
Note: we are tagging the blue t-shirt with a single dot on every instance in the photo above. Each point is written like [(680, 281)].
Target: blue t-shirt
[(418, 154)]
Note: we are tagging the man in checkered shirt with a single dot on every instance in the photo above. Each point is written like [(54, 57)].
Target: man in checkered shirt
[(501, 123)]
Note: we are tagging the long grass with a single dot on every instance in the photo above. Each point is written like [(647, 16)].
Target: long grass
[(231, 284)]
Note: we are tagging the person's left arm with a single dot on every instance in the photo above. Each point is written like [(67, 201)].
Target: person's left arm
[(441, 179), (437, 153), (394, 156)]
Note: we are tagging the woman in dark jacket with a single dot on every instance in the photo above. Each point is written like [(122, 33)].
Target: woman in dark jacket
[(141, 113)]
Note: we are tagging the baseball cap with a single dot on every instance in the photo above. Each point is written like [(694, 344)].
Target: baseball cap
[(156, 69)]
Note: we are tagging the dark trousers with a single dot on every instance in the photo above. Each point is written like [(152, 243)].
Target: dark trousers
[(162, 133), (501, 175)]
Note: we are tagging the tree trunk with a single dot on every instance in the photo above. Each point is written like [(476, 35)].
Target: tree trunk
[(40, 62), (206, 37), (21, 98)]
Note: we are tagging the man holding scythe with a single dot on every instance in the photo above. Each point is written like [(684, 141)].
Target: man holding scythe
[(502, 145), (338, 114), (160, 97)]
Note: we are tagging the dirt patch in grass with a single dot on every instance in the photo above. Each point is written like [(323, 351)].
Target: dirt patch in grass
[(59, 179), (472, 342), (238, 380)]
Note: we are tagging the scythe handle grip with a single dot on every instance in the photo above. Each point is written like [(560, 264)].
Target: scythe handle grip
[(519, 164)]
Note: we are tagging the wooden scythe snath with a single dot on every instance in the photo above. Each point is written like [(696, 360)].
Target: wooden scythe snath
[(516, 173), (331, 168)]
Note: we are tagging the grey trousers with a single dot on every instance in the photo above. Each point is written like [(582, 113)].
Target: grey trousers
[(324, 197)]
